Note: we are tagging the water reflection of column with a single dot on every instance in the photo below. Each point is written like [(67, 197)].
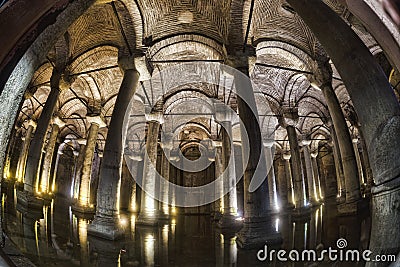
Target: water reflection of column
[(108, 252), (82, 234), (164, 245), (30, 232), (148, 240), (229, 249)]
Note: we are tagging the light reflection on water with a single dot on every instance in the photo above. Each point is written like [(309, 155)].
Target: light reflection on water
[(56, 236)]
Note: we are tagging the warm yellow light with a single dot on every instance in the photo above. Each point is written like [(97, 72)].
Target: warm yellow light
[(173, 210)]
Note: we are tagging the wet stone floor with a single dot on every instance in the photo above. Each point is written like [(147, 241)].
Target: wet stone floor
[(55, 236)]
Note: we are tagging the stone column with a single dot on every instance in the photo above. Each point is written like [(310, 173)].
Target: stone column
[(272, 188), (135, 160), (11, 147), (282, 183), (298, 178), (350, 171), (229, 213), (289, 180), (358, 159), (149, 209), (35, 149), (78, 169), (83, 204), (378, 111), (105, 223), (24, 152), (317, 179), (45, 180), (219, 169), (341, 182), (165, 170), (258, 226), (311, 181)]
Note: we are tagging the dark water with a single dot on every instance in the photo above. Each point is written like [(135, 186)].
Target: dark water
[(54, 236)]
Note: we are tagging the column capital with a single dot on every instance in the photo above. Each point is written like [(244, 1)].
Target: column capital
[(322, 73), (81, 141), (32, 123), (286, 155), (96, 119), (306, 142), (58, 121), (314, 154)]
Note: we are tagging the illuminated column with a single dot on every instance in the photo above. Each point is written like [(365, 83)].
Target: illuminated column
[(289, 181), (298, 178), (45, 181), (341, 183), (106, 222), (149, 210), (258, 228), (24, 152), (78, 169), (164, 187), (282, 183), (272, 188), (317, 177), (83, 205), (311, 181), (358, 159), (229, 213), (135, 160), (35, 150), (219, 169)]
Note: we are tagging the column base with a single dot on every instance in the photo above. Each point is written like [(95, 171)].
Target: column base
[(30, 201), (147, 220), (229, 222), (352, 208), (164, 217), (256, 234), (302, 212), (83, 210), (217, 216), (106, 228)]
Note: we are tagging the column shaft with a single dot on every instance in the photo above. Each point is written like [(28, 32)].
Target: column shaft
[(35, 149), (105, 223), (24, 154), (358, 159), (165, 168), (349, 163), (45, 185), (298, 179), (341, 182), (84, 188), (289, 182), (316, 176), (312, 192), (149, 210)]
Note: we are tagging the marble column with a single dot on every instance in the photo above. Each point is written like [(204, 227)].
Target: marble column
[(258, 228), (106, 223), (83, 204), (24, 152), (298, 178), (45, 179), (229, 213), (35, 150), (149, 209), (289, 179), (317, 177), (311, 181)]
